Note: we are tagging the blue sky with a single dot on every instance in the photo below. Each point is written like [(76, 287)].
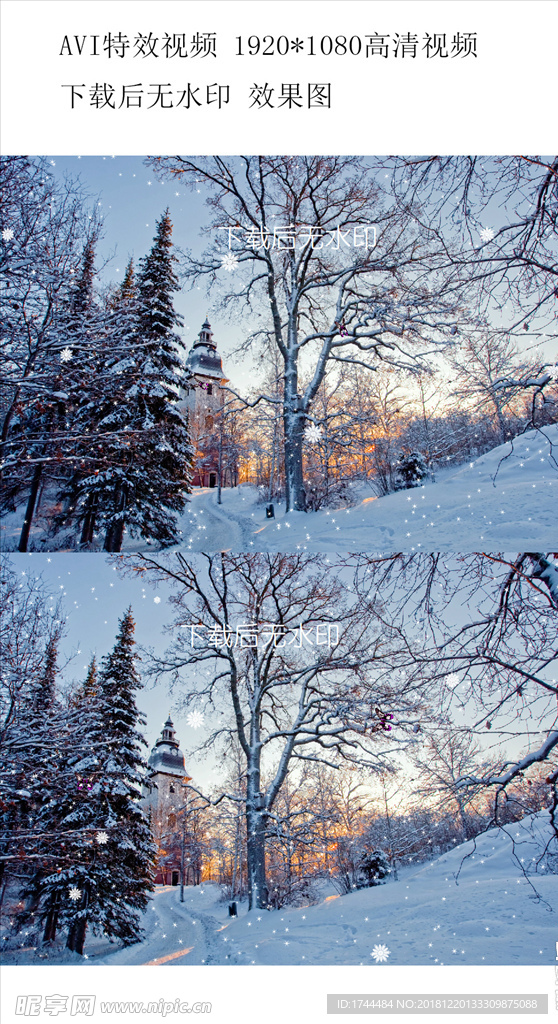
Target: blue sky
[(95, 597), (131, 201)]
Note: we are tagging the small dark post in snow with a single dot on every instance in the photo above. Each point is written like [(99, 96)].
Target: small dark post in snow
[(232, 910), (269, 512)]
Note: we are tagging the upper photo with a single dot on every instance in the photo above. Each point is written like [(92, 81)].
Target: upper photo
[(279, 353)]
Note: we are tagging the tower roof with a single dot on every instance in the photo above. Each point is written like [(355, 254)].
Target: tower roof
[(203, 358), (166, 756)]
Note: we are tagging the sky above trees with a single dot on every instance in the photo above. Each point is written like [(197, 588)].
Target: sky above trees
[(132, 198)]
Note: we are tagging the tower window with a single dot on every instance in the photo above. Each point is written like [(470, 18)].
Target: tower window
[(171, 789), (210, 389)]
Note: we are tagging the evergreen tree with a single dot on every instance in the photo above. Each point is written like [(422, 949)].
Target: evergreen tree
[(103, 445), (82, 293), (138, 474), (374, 866), (411, 470), (128, 289), (105, 872), (152, 484)]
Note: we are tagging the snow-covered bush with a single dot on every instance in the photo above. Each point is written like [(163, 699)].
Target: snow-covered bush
[(374, 867), (322, 493), (411, 470), (288, 890)]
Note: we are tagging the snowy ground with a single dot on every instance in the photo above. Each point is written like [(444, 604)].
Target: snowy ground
[(505, 500), (490, 914), (486, 505)]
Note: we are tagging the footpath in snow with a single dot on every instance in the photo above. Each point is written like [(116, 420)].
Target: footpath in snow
[(504, 500), (492, 901)]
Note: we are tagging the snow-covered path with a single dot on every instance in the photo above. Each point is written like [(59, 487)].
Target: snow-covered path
[(208, 526), (176, 933)]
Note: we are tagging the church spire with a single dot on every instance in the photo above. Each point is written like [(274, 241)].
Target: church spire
[(205, 337), (204, 361)]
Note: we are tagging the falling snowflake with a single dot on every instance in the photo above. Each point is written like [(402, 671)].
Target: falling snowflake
[(229, 262), (157, 600), (101, 838), (486, 235), (313, 434), (195, 719), (553, 372), (380, 953), (452, 680), (7, 234), (75, 894), (66, 355)]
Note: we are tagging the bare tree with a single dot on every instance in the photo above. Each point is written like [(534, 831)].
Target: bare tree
[(481, 364), (344, 274), (441, 763), (502, 211), (281, 643), (497, 659)]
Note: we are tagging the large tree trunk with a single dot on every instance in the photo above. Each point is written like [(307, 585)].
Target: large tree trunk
[(294, 422), (76, 936), (30, 510), (88, 528), (295, 494), (258, 896), (115, 532), (51, 922)]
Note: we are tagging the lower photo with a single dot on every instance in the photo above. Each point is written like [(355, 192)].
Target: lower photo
[(279, 759)]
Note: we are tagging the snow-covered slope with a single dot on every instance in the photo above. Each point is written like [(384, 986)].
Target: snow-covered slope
[(473, 905), (506, 499)]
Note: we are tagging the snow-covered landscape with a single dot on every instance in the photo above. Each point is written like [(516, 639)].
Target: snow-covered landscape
[(293, 489), (383, 402), (491, 901), (505, 499)]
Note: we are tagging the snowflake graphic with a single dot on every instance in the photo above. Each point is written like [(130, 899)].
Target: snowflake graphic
[(7, 234), (157, 600), (101, 838), (313, 434), (452, 680), (65, 355), (229, 262), (553, 372), (75, 894), (380, 953), (486, 235), (195, 719)]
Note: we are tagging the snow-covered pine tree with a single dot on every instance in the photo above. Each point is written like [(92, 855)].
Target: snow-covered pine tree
[(114, 875), (156, 480), (57, 814), (138, 476), (411, 470), (102, 446), (101, 874), (70, 373), (374, 866), (29, 718), (45, 227)]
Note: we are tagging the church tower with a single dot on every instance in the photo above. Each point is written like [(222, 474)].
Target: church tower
[(167, 772), (204, 404)]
